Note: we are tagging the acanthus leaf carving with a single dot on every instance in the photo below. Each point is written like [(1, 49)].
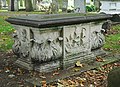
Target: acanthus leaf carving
[(97, 39), (21, 43), (46, 49)]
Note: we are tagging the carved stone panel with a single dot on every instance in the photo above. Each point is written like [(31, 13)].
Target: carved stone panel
[(45, 44), (76, 39)]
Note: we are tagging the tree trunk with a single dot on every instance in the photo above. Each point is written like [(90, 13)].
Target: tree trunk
[(28, 5), (12, 5), (0, 4)]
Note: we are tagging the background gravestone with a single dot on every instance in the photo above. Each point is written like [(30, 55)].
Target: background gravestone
[(114, 78)]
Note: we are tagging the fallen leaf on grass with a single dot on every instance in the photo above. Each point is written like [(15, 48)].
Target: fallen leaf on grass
[(7, 71), (14, 31), (63, 82), (11, 76), (116, 64), (43, 77), (81, 80), (70, 82), (59, 85), (56, 73), (20, 82), (81, 84), (51, 86), (35, 86), (90, 73), (78, 64), (91, 85), (76, 69), (20, 71), (0, 71), (99, 59), (76, 83), (44, 84), (107, 49), (21, 85)]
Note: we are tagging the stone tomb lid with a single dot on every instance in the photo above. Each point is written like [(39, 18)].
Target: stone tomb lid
[(54, 20)]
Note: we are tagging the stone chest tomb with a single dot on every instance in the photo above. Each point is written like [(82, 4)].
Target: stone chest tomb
[(46, 42)]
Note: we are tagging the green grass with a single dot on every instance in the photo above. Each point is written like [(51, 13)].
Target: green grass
[(113, 39), (5, 27), (6, 30)]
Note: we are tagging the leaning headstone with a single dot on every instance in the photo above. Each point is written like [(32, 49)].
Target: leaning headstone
[(114, 78)]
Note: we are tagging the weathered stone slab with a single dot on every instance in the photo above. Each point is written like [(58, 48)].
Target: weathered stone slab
[(56, 20)]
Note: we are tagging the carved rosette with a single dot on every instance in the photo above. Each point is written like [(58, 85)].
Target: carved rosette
[(21, 43), (45, 45)]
